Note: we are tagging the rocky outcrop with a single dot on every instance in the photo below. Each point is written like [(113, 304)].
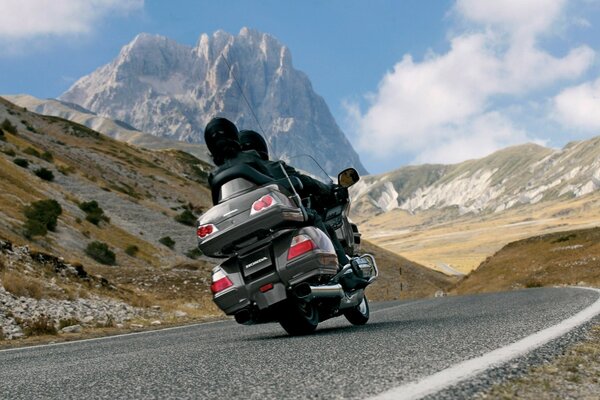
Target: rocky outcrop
[(171, 90), (19, 312)]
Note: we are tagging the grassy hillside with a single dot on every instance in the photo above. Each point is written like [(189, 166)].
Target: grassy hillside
[(400, 278), (139, 193), (560, 258)]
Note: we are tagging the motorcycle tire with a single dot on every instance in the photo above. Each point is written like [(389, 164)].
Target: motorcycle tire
[(358, 315), (299, 318)]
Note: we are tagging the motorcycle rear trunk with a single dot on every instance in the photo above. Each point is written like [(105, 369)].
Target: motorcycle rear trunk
[(276, 265)]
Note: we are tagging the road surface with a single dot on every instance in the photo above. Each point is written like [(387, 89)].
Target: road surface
[(403, 342)]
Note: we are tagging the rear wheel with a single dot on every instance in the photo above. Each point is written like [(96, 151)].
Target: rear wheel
[(359, 314), (299, 318)]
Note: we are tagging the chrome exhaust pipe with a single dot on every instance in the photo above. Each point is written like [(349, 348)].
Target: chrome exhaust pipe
[(307, 292)]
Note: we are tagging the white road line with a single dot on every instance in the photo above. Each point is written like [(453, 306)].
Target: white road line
[(77, 341), (468, 369)]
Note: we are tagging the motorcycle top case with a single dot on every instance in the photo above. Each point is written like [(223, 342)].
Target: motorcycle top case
[(246, 217)]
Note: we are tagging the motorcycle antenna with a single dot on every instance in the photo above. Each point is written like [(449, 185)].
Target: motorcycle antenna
[(243, 94), (316, 162)]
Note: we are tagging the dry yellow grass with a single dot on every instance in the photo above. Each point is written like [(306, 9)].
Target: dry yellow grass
[(571, 257), (465, 241)]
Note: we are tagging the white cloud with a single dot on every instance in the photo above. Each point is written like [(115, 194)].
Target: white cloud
[(30, 19), (478, 137), (579, 106), (442, 108)]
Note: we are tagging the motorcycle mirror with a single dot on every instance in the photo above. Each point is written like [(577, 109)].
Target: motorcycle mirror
[(348, 177)]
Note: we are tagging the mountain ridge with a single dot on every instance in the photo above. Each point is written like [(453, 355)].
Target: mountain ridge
[(167, 89), (517, 175)]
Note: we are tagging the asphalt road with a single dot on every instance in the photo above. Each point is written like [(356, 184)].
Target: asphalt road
[(403, 342)]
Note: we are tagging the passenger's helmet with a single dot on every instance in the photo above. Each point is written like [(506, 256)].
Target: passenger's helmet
[(251, 140), (222, 139)]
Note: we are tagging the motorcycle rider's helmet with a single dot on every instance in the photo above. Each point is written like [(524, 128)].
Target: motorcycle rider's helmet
[(251, 140), (222, 139)]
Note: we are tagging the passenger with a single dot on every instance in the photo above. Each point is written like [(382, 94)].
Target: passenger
[(322, 194), (222, 139)]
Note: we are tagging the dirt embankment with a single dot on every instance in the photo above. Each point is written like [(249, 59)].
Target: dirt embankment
[(562, 258)]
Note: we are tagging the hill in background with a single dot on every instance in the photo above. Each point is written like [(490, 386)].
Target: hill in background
[(561, 258)]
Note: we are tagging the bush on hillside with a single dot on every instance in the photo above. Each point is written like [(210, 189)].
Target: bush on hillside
[(8, 127), (167, 241), (94, 213), (100, 252), (194, 253), (45, 174), (186, 218), (32, 152), (21, 162), (46, 155), (132, 250), (42, 216)]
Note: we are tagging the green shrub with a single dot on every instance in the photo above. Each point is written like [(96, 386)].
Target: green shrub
[(100, 252), (21, 162), (9, 152), (2, 137), (94, 213), (167, 241), (44, 174), (186, 218), (132, 250), (32, 152), (8, 127), (41, 216), (34, 228), (47, 156), (194, 253)]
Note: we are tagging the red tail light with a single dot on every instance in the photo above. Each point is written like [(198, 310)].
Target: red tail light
[(206, 230), (301, 244), (263, 203), (220, 281), (266, 288)]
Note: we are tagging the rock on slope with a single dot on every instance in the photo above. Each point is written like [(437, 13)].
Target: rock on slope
[(171, 90)]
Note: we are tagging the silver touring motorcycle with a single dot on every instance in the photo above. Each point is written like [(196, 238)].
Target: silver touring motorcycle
[(278, 268)]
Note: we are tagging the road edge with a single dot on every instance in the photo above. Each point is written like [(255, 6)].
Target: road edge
[(470, 368)]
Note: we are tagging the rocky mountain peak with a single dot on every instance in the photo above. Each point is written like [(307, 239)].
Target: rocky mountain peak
[(172, 90)]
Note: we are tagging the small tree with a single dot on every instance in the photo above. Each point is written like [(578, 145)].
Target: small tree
[(100, 252), (167, 241)]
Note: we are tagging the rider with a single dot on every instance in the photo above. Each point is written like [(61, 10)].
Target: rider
[(252, 142)]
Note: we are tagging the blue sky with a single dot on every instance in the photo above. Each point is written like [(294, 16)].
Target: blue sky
[(408, 81)]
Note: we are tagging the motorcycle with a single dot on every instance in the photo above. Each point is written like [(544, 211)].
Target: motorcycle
[(278, 268)]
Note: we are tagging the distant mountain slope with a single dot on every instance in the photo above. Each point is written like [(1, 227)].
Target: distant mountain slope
[(519, 175), (115, 129), (171, 90)]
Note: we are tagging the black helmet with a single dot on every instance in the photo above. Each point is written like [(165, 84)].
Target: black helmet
[(222, 139), (251, 140)]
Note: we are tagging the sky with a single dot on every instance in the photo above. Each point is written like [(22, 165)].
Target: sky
[(409, 82)]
